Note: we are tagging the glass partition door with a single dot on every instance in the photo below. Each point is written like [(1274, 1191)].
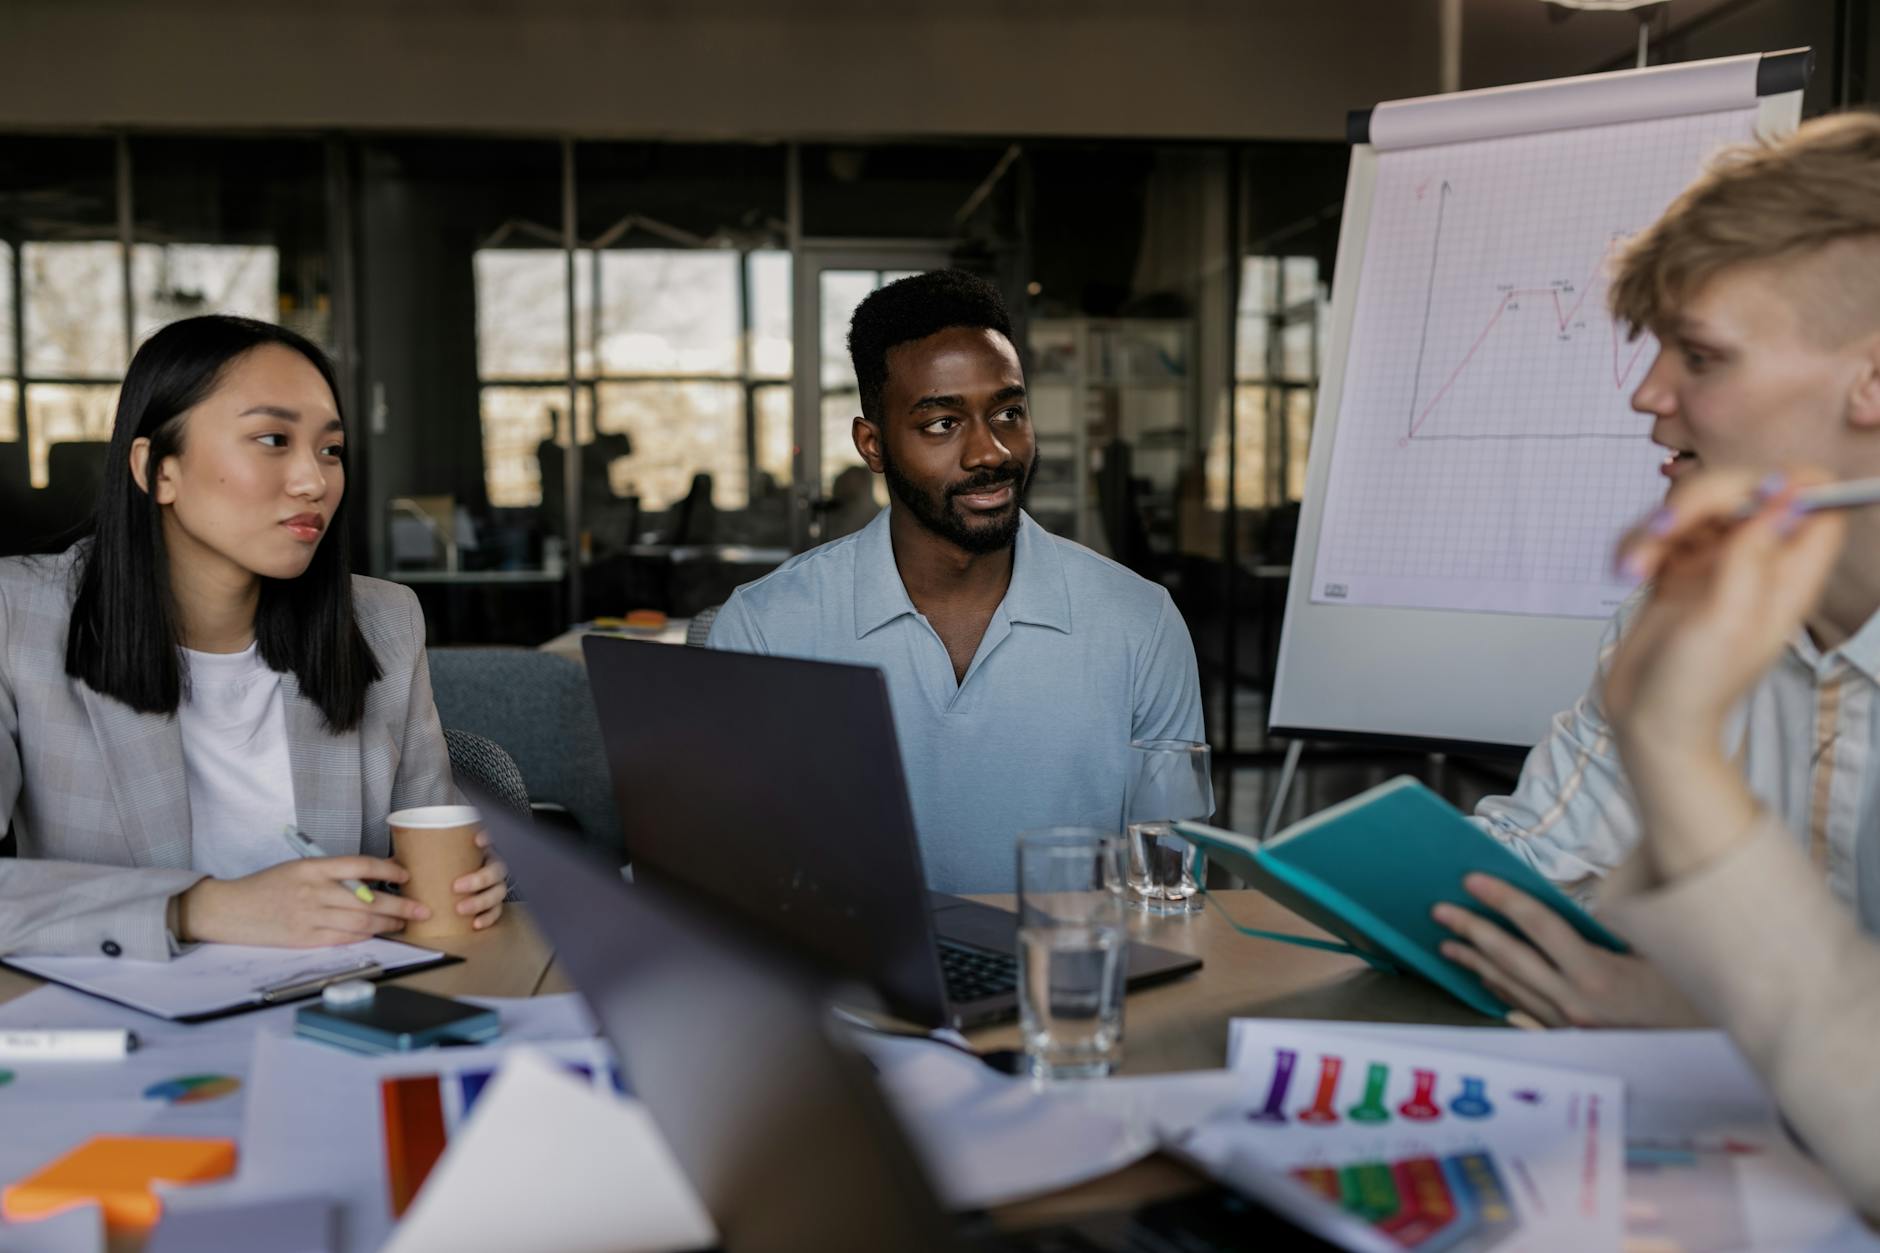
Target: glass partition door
[(834, 494)]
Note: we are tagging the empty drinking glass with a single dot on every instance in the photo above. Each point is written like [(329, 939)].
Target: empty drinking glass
[(1072, 951), (1168, 782)]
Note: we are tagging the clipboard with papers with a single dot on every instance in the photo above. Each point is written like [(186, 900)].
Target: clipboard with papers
[(216, 980)]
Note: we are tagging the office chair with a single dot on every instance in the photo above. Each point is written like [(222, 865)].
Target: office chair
[(536, 706), (482, 762), (699, 629)]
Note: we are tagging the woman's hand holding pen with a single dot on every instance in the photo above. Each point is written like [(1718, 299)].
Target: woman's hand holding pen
[(1727, 594), (1729, 588), (1734, 569), (298, 904)]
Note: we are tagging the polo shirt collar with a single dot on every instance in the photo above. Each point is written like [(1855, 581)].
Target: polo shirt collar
[(1039, 594), (1862, 649)]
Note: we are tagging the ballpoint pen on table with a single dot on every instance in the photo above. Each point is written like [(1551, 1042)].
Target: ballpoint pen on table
[(298, 985)]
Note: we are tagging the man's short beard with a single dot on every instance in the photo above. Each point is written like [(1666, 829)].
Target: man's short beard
[(943, 518)]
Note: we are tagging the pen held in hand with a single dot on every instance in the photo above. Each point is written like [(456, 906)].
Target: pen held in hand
[(305, 847), (1851, 494)]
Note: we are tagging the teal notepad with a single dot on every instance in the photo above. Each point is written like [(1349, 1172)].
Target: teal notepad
[(1370, 870)]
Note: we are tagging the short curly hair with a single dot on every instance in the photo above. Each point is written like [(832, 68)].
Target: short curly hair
[(1807, 205), (913, 308)]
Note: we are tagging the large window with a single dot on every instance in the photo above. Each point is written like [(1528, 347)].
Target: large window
[(71, 305), (204, 224), (1279, 336), (683, 352), (9, 367), (842, 291)]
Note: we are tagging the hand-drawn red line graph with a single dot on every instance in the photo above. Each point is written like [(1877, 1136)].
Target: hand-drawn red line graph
[(1564, 316)]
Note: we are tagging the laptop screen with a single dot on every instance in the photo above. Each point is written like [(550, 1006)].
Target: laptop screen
[(777, 1125), (772, 787)]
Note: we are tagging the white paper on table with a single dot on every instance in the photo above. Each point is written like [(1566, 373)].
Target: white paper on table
[(1680, 1086), (561, 1016), (52, 1008), (214, 977), (49, 1108), (548, 1164), (79, 1229), (315, 1126), (987, 1138), (1555, 1135), (52, 1107)]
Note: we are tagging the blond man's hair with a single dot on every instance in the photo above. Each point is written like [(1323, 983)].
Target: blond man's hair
[(1805, 209)]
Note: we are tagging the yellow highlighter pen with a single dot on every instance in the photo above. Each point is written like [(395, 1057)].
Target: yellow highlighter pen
[(305, 847)]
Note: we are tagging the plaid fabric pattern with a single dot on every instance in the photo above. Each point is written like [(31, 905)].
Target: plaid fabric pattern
[(96, 792)]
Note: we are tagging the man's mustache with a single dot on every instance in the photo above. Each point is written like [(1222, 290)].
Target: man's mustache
[(989, 481)]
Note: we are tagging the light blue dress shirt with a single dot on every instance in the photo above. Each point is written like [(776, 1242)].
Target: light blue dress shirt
[(1081, 657)]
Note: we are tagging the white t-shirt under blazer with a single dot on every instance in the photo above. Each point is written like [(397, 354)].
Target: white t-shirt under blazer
[(241, 791)]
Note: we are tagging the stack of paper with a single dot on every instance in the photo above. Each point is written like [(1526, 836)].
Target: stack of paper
[(988, 1138), (1435, 1148), (1707, 1166), (180, 1081), (217, 979), (1706, 1163)]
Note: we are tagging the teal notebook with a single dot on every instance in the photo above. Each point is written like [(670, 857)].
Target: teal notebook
[(1369, 870)]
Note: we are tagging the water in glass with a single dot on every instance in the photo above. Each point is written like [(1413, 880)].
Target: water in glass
[(1168, 781), (1070, 998), (1162, 869), (1072, 951)]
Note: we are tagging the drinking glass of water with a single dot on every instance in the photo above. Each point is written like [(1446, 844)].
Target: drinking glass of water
[(1168, 782), (1072, 951)]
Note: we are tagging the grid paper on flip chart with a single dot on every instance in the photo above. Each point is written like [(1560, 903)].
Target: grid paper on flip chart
[(1486, 457)]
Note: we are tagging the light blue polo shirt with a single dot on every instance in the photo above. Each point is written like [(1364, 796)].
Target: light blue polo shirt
[(1081, 657)]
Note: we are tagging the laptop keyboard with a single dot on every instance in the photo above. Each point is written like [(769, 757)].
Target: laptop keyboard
[(974, 974)]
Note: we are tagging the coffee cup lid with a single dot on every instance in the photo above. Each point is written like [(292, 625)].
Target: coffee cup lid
[(434, 816)]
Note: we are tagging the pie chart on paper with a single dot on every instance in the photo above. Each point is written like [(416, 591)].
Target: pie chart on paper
[(193, 1089)]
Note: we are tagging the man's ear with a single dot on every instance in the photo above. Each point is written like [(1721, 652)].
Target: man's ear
[(140, 472), (1863, 401), (867, 437)]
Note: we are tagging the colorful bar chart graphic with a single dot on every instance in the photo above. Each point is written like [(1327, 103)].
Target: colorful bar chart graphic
[(1440, 1150), (1274, 1110), (193, 1089), (1470, 1099), (1422, 1107), (1431, 1204), (1323, 1111)]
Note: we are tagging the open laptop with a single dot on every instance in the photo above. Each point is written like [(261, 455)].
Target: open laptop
[(773, 1116), (772, 787)]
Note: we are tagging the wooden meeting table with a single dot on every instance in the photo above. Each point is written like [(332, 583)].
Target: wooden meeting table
[(1179, 1025)]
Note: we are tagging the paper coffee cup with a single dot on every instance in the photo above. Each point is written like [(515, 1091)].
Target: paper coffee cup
[(437, 844)]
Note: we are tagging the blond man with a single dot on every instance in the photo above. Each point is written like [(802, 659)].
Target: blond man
[(1762, 285)]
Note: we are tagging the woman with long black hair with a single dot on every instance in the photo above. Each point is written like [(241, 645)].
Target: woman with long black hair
[(202, 669)]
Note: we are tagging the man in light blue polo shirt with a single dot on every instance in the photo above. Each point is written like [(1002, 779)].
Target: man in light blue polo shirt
[(1019, 664)]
